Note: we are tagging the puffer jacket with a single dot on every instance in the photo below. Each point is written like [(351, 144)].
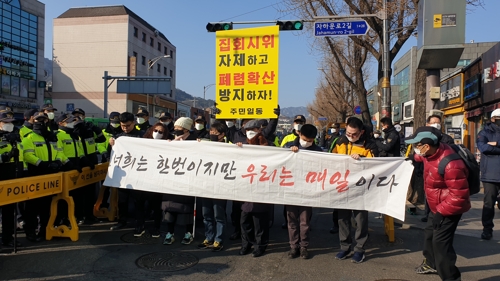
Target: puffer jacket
[(490, 155), (449, 195)]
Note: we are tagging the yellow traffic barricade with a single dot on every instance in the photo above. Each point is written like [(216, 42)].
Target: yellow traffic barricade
[(110, 213), (18, 190)]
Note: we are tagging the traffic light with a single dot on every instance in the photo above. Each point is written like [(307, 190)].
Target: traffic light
[(216, 26), (290, 25)]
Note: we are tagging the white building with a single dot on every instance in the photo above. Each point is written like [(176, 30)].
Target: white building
[(90, 40)]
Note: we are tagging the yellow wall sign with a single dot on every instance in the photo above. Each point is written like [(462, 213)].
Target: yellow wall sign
[(12, 191), (75, 180), (438, 19), (247, 72)]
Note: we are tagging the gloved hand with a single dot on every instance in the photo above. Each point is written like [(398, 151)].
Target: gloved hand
[(277, 111), (68, 166), (92, 166), (43, 165), (104, 157), (216, 110), (437, 221), (6, 157), (12, 137), (54, 166), (14, 152)]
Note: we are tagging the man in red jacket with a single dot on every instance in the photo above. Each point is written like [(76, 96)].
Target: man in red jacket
[(448, 199)]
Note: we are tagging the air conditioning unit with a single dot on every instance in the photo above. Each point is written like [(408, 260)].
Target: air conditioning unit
[(435, 93)]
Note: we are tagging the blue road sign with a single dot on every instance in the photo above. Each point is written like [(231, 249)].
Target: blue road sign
[(357, 109), (322, 118), (341, 28), (70, 107)]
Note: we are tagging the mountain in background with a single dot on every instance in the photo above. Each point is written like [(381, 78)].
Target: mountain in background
[(293, 111)]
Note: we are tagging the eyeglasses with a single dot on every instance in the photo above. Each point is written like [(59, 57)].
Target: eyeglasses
[(158, 131)]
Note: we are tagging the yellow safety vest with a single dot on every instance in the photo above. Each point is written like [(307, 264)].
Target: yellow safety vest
[(70, 147), (36, 150)]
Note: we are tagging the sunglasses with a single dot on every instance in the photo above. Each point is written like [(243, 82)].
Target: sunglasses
[(158, 131)]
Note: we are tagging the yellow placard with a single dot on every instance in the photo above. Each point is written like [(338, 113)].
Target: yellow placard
[(74, 180), (18, 190), (438, 20), (247, 72)]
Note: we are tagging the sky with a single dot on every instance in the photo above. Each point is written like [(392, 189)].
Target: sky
[(183, 23)]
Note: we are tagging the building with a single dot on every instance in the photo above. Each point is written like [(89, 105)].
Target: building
[(90, 40), (22, 25)]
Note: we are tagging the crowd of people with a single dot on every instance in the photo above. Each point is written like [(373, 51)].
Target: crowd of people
[(48, 144)]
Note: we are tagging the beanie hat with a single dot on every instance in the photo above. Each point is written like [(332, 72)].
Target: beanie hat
[(184, 122)]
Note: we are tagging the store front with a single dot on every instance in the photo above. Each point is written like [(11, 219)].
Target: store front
[(451, 103), (473, 104)]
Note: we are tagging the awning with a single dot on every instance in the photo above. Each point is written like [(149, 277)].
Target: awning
[(474, 113)]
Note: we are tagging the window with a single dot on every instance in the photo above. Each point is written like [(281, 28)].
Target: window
[(158, 67), (165, 50), (171, 54), (159, 46), (164, 70), (143, 61), (463, 62), (143, 37), (171, 73), (136, 32), (134, 54), (151, 41)]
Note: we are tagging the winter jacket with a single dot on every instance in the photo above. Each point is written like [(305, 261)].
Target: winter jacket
[(448, 195), (490, 155), (289, 138), (231, 132), (296, 142), (365, 148), (389, 147), (202, 134), (445, 138), (330, 142)]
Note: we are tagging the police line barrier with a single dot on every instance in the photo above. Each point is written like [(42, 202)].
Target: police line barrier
[(59, 184)]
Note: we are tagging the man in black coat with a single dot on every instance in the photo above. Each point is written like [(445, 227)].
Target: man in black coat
[(389, 146)]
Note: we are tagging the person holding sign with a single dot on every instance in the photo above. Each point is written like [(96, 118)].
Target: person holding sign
[(200, 126), (356, 143), (254, 216), (299, 217)]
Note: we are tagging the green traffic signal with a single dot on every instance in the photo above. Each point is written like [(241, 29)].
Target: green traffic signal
[(213, 27), (290, 25)]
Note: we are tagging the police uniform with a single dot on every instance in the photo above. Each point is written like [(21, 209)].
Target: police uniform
[(43, 156), (51, 125), (11, 167), (144, 126), (27, 126)]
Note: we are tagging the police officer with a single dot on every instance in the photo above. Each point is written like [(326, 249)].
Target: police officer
[(11, 167), (142, 120), (49, 109), (42, 156), (111, 131), (298, 122), (28, 123)]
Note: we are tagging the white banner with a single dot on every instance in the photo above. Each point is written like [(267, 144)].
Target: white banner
[(261, 174)]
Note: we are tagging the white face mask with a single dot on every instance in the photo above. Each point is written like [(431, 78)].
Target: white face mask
[(166, 123), (70, 125), (229, 124), (157, 135), (199, 126), (115, 125), (351, 139), (50, 115), (297, 127), (141, 120), (376, 136), (251, 134), (8, 127), (417, 151), (333, 130), (436, 125), (305, 144)]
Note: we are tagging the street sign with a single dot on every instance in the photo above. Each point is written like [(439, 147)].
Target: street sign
[(341, 28), (70, 107), (357, 109), (322, 118)]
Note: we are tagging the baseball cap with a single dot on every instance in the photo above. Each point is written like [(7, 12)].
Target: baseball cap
[(5, 108), (263, 122), (48, 106), (252, 124), (424, 134), (78, 110), (114, 116), (29, 113), (200, 118), (40, 115), (495, 113), (165, 115), (6, 117), (66, 118), (142, 112), (299, 118)]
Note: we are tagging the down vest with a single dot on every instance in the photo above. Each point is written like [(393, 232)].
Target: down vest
[(449, 195)]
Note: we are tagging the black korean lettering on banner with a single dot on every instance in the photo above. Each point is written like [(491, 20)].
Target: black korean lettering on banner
[(228, 171), (142, 165), (239, 94), (225, 60), (117, 159), (391, 182), (239, 60), (180, 163), (362, 181), (129, 161), (163, 165), (252, 60), (263, 59)]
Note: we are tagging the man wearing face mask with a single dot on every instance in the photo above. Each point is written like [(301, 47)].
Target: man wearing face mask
[(298, 122), (488, 143), (200, 128), (435, 121), (11, 167), (390, 145), (332, 135), (231, 129), (49, 109), (112, 130), (357, 144), (448, 198), (166, 119), (142, 120), (43, 156), (28, 123)]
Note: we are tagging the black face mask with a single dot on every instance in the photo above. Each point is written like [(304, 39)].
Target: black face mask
[(497, 122), (214, 138), (178, 132), (40, 127)]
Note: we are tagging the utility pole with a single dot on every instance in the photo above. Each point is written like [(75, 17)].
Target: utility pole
[(386, 80)]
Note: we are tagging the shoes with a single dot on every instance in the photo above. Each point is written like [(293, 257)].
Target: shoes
[(119, 225), (235, 236), (334, 229), (358, 257), (139, 231), (205, 244), (424, 219), (33, 238), (424, 268), (188, 238), (284, 225), (155, 233), (169, 239), (244, 251), (257, 253), (486, 235), (41, 237), (217, 247), (342, 255), (11, 243), (303, 253), (293, 253)]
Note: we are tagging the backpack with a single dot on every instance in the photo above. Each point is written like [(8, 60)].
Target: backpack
[(469, 159)]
